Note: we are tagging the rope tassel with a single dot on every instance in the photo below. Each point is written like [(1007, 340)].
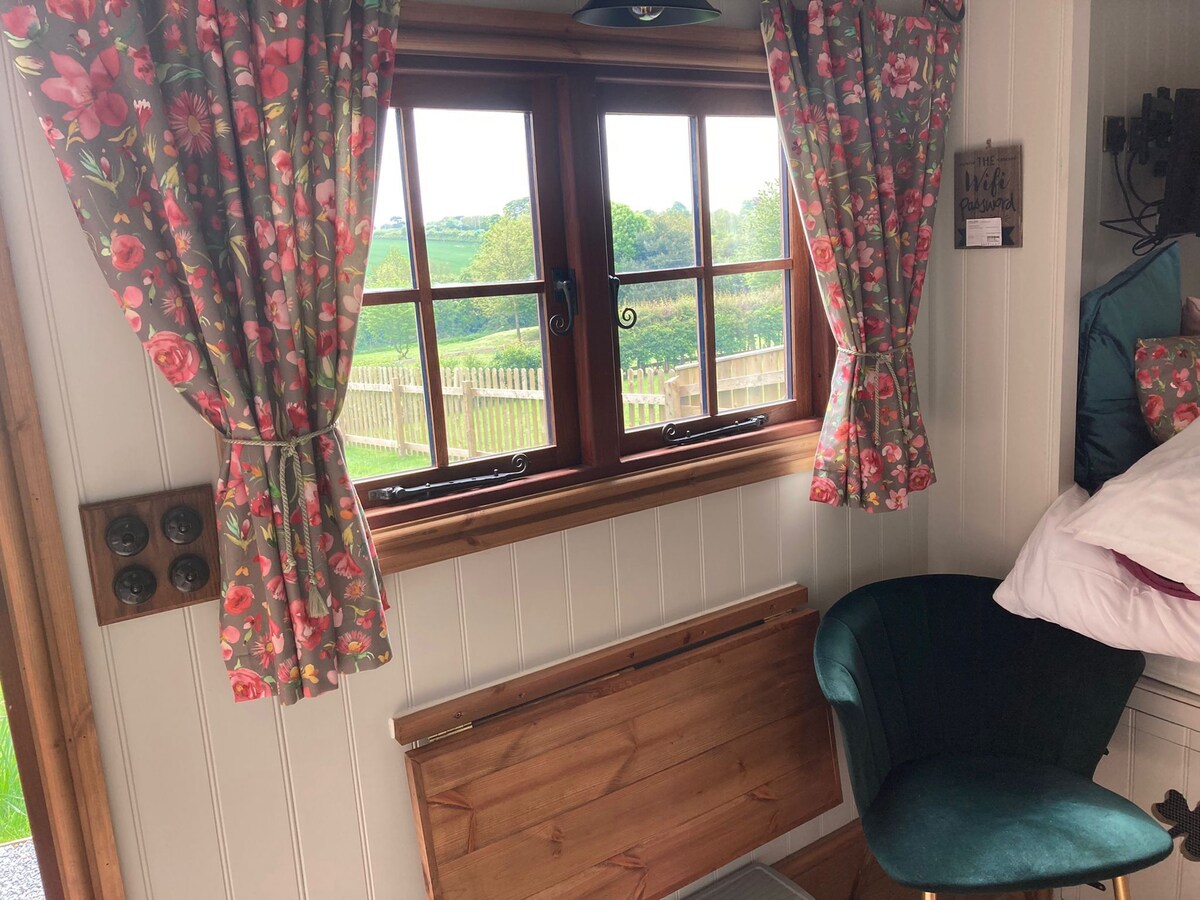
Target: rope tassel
[(884, 358), (289, 454)]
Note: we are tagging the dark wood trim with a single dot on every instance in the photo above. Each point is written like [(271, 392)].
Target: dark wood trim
[(708, 313), (20, 726), (434, 29), (596, 353), (506, 695), (567, 499), (41, 619), (435, 410)]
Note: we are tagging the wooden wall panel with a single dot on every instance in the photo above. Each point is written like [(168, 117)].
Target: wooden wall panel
[(733, 745)]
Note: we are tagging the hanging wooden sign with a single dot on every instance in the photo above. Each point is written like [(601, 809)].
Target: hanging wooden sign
[(988, 198)]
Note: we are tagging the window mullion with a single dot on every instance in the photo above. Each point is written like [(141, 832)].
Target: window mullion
[(434, 404), (708, 336)]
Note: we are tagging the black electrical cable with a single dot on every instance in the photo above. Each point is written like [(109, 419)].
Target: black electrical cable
[(1147, 239)]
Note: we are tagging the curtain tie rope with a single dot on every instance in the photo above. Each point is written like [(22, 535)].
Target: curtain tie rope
[(289, 453), (884, 357)]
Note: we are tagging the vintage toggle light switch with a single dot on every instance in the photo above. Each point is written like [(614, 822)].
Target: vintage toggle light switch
[(135, 585), (181, 524), (127, 535), (189, 573)]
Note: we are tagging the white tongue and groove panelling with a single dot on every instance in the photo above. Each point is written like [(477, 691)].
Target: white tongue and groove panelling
[(1156, 748), (215, 800)]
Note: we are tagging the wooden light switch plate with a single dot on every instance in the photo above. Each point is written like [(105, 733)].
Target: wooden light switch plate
[(157, 557)]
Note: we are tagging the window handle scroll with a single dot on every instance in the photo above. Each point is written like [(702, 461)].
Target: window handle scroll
[(431, 489), (672, 435), (563, 281), (625, 318)]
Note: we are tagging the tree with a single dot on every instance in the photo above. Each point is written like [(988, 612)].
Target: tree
[(387, 328), (628, 227), (506, 254)]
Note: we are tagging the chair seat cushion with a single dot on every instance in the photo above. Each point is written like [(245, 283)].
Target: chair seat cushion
[(986, 823)]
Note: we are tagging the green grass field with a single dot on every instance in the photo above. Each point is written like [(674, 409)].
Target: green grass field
[(470, 353), (388, 261), (366, 462), (14, 823)]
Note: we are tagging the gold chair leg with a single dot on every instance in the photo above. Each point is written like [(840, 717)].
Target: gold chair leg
[(928, 895), (1121, 888)]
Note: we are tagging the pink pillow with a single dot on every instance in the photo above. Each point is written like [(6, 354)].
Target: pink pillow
[(1191, 315), (1153, 579)]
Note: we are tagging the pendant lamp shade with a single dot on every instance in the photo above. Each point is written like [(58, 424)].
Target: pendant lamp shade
[(626, 14)]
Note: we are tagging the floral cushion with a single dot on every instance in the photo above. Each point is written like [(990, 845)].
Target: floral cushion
[(1191, 315), (1168, 383)]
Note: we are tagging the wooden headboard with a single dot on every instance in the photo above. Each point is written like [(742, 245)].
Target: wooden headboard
[(631, 771)]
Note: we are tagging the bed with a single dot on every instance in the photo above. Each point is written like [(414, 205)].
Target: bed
[(1138, 377)]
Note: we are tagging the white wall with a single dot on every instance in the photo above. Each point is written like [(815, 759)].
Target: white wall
[(250, 801), (1135, 47), (1003, 324)]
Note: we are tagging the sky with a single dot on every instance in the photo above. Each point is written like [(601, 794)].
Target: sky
[(473, 162)]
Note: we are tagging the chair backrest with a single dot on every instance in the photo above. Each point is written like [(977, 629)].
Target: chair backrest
[(931, 664)]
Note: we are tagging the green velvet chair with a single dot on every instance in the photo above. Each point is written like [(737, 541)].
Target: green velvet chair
[(972, 736)]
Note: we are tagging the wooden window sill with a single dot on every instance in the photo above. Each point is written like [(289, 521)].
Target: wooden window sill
[(407, 545)]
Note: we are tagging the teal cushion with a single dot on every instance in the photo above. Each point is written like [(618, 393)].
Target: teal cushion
[(986, 823), (1144, 301)]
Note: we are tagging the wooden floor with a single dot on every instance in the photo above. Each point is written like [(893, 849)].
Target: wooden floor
[(840, 867)]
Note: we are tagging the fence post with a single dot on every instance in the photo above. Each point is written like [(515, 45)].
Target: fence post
[(398, 414), (671, 392), (468, 412)]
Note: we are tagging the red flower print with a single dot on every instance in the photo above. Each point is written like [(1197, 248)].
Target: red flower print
[(822, 255), (1181, 381), (143, 65), (128, 251), (911, 205), (191, 123), (781, 69), (920, 478), (175, 357), (79, 11), (238, 599), (19, 21), (344, 565), (900, 74), (87, 91), (823, 491), (130, 300), (1185, 415), (246, 121), (247, 685), (870, 463), (816, 16), (354, 643), (1152, 409), (274, 58), (924, 242)]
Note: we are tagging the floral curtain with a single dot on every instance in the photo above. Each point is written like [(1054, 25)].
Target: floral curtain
[(221, 159), (863, 98)]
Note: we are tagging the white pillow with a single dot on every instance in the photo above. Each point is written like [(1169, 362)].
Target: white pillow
[(1152, 512), (1082, 587)]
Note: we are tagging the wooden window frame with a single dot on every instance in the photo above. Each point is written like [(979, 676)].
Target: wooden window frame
[(46, 686), (497, 48)]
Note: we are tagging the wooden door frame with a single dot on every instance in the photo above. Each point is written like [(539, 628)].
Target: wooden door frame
[(40, 658)]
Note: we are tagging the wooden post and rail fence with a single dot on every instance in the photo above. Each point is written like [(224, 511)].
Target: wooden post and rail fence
[(497, 410)]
